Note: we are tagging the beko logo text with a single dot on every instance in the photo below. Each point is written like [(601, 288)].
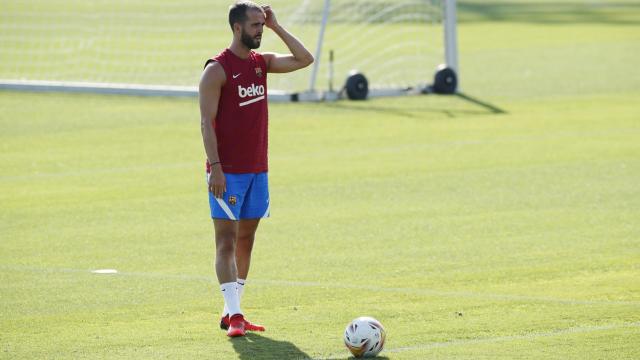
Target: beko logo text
[(252, 90)]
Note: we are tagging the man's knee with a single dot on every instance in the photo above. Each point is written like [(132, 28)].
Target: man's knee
[(247, 233), (225, 233), (245, 242), (225, 243), (225, 248)]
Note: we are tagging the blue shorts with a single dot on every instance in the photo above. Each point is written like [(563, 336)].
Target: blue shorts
[(247, 197)]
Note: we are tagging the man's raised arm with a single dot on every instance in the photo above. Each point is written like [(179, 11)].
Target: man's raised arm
[(299, 58)]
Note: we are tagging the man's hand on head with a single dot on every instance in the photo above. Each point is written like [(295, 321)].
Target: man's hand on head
[(270, 17)]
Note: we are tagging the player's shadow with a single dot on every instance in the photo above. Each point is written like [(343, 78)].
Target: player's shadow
[(259, 347)]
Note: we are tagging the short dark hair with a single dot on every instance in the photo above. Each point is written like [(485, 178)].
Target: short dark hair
[(238, 11)]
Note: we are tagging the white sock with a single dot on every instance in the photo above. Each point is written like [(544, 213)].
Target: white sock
[(231, 299), (241, 282)]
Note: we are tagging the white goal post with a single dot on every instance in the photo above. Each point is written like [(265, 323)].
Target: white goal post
[(363, 48), (449, 24)]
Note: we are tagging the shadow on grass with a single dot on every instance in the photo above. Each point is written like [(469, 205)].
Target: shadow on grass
[(259, 347), (596, 12), (491, 108), (400, 110)]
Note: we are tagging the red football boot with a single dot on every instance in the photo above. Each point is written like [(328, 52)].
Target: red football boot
[(248, 325), (236, 326)]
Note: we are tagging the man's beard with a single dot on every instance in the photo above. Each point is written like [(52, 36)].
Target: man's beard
[(249, 42)]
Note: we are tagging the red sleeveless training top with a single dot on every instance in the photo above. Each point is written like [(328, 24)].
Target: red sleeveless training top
[(242, 120)]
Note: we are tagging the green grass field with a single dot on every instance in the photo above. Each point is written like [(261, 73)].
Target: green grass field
[(469, 233)]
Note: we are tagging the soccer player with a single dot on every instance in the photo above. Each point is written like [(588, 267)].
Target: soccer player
[(233, 112)]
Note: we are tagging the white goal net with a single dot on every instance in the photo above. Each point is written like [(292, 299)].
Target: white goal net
[(395, 43)]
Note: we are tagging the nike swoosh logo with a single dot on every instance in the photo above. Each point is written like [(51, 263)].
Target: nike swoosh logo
[(236, 75)]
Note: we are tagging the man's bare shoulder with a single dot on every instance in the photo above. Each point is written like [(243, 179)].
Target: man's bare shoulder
[(268, 56), (213, 74)]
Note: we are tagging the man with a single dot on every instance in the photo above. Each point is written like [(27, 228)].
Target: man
[(233, 111)]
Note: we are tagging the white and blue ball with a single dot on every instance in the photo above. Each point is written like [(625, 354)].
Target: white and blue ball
[(364, 337)]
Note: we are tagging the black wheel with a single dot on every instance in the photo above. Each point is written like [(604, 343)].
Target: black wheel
[(445, 81), (357, 86)]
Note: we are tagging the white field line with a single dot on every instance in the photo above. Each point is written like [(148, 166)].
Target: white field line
[(530, 336), (102, 170), (314, 284), (189, 165)]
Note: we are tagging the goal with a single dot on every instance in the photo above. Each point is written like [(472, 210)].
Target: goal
[(363, 48), (370, 48)]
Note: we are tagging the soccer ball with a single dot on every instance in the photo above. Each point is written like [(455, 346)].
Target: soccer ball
[(364, 337)]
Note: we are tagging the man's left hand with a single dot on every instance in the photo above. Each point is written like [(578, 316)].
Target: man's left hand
[(270, 17)]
